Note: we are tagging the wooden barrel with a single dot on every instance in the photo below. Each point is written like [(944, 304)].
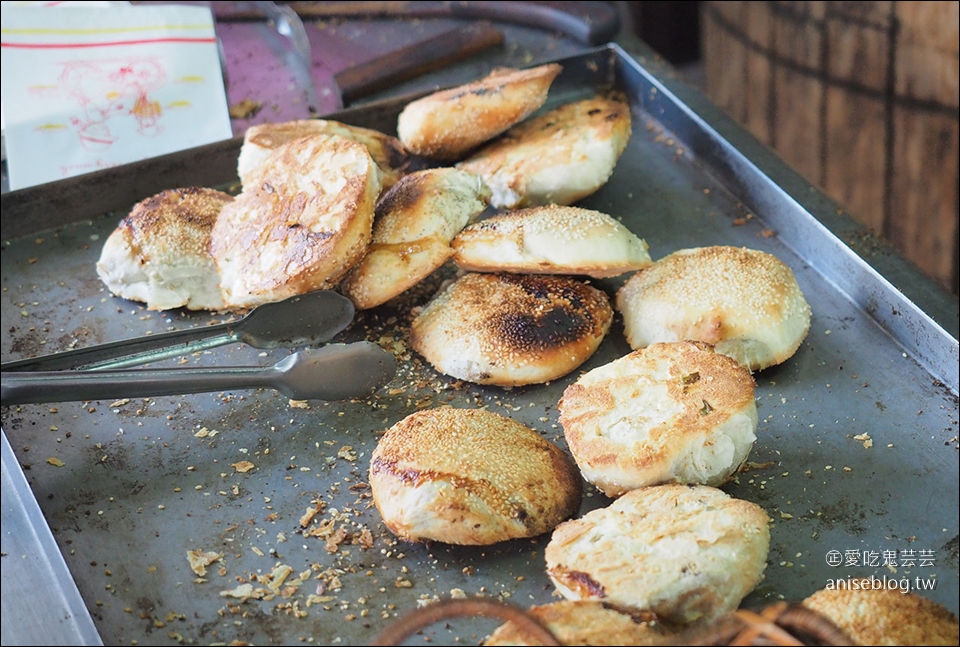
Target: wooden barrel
[(861, 99)]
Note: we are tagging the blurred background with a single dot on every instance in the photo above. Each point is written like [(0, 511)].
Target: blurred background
[(859, 97)]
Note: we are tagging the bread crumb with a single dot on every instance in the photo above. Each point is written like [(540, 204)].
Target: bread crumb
[(199, 560), (243, 466), (245, 109)]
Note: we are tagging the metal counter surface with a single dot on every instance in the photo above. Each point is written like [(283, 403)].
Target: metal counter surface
[(129, 487)]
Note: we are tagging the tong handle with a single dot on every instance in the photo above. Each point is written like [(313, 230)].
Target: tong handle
[(125, 353), (301, 320), (333, 372), (70, 386)]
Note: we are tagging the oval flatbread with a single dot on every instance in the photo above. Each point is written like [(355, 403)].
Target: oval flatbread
[(551, 240), (259, 141), (559, 157), (671, 412), (160, 253), (584, 622), (689, 554), (470, 477), (448, 124), (415, 222), (745, 302), (303, 220), (871, 612)]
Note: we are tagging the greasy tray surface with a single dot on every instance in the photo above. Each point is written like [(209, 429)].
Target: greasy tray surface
[(129, 488)]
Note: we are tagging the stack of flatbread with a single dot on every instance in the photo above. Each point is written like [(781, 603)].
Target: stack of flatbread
[(326, 205), (303, 219)]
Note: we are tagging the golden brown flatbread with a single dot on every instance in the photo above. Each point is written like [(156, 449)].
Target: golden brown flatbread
[(302, 221), (447, 124), (470, 477), (160, 253), (559, 157), (511, 329)]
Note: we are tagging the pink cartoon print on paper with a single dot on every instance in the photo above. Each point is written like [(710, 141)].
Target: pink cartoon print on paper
[(108, 90)]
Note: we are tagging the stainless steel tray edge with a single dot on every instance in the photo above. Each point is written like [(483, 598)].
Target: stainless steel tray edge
[(63, 618)]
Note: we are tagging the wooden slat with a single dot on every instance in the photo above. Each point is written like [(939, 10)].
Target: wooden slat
[(798, 94), (721, 47), (759, 72), (927, 61), (924, 203), (856, 141), (861, 98)]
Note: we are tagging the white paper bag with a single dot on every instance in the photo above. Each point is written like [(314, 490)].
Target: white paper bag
[(85, 89)]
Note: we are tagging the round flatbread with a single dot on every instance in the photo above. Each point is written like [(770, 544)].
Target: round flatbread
[(304, 219), (673, 412), (688, 553), (551, 240), (585, 622), (745, 302), (470, 477), (160, 253), (259, 141), (511, 329), (415, 223), (870, 612)]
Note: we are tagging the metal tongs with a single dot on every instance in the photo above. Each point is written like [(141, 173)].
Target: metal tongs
[(331, 372)]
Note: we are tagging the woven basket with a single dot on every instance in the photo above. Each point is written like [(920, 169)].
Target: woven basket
[(777, 624)]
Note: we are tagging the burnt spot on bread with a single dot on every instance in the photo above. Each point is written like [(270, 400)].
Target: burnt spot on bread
[(520, 514), (552, 288), (558, 314), (396, 156), (582, 582), (379, 466), (477, 91), (637, 616), (528, 332), (403, 195), (491, 225)]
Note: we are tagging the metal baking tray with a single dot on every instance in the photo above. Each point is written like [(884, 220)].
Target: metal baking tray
[(127, 488)]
